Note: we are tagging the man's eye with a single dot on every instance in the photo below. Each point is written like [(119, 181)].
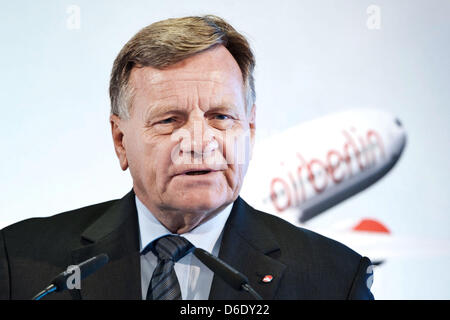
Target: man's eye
[(222, 117), (167, 121)]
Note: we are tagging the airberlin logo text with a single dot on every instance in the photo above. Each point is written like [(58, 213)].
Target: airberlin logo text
[(313, 176)]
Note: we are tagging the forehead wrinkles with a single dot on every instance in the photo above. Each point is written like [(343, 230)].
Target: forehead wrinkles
[(171, 85), (144, 77), (160, 83)]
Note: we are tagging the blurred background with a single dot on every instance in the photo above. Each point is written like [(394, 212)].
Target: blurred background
[(313, 58)]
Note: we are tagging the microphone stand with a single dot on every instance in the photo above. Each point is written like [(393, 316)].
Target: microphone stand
[(230, 275), (250, 290)]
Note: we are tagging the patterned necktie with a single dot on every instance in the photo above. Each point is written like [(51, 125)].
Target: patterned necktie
[(164, 283)]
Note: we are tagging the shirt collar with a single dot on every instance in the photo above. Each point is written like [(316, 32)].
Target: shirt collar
[(203, 236)]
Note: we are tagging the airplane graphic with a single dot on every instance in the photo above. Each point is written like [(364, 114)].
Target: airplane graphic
[(307, 169)]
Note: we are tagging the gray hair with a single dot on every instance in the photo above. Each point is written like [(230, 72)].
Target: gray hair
[(167, 42)]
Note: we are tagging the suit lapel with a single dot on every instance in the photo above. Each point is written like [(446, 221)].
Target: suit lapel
[(115, 233), (249, 247)]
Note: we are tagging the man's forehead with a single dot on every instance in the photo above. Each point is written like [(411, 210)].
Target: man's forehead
[(213, 65), (162, 90), (145, 76)]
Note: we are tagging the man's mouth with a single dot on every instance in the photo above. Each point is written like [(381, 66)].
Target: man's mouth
[(196, 173)]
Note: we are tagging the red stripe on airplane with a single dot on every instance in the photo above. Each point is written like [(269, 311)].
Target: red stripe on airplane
[(370, 225)]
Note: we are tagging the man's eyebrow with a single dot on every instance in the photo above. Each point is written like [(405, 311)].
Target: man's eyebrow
[(223, 108), (160, 110), (224, 105), (230, 108)]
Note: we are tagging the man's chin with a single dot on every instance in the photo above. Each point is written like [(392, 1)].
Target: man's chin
[(201, 203)]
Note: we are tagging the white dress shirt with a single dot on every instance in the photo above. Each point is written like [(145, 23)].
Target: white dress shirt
[(194, 277)]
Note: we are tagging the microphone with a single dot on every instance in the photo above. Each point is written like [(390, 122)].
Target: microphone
[(230, 275), (59, 283)]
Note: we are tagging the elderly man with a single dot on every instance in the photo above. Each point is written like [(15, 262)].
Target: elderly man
[(183, 122)]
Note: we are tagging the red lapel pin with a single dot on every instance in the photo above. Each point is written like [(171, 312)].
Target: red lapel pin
[(267, 278)]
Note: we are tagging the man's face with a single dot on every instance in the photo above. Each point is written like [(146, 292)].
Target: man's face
[(185, 136)]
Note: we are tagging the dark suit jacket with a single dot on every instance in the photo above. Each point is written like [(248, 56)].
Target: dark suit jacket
[(304, 265)]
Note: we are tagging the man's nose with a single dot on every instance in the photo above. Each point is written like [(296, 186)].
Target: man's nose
[(200, 139)]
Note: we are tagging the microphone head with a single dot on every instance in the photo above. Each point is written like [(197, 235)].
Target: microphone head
[(93, 264), (227, 273), (85, 269)]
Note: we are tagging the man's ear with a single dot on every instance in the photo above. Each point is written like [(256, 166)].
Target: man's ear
[(252, 128), (118, 134)]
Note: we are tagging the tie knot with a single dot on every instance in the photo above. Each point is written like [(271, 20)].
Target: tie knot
[(171, 248)]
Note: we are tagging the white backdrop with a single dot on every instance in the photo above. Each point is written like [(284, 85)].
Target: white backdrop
[(313, 58)]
